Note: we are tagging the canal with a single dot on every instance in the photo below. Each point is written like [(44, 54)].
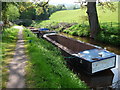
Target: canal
[(108, 79)]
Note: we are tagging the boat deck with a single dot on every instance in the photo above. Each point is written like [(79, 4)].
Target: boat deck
[(73, 45)]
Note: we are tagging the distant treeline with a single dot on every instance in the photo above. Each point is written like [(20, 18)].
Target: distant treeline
[(40, 12), (12, 11)]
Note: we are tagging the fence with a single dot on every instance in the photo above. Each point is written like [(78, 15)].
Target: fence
[(110, 24)]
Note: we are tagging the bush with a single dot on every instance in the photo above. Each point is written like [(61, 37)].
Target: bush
[(74, 33), (109, 35), (108, 38), (78, 30), (66, 31), (24, 22), (110, 30)]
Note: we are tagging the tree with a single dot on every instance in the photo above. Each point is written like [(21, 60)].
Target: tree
[(92, 14), (12, 12), (42, 9), (61, 7), (93, 19), (29, 13)]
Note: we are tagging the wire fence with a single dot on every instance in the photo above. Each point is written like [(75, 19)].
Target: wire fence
[(110, 24)]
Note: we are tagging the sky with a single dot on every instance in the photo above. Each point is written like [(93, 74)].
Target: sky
[(55, 2), (68, 2)]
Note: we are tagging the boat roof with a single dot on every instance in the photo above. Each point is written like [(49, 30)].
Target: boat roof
[(43, 29), (94, 55)]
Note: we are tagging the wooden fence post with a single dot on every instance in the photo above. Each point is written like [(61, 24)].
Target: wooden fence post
[(83, 23), (111, 24)]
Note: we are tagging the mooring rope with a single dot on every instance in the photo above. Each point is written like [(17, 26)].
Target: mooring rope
[(69, 57)]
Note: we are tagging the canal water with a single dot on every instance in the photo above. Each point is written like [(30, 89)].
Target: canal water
[(108, 79)]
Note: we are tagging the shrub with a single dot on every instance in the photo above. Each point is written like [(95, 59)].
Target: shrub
[(74, 33), (25, 22), (78, 30), (109, 35), (108, 38), (66, 31)]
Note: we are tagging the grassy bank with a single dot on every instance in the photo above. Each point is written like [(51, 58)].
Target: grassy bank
[(46, 67), (78, 30), (9, 37), (108, 34)]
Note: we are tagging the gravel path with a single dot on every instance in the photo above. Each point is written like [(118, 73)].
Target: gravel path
[(17, 65)]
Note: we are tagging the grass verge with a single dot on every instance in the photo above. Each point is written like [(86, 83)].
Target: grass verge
[(46, 67), (9, 37)]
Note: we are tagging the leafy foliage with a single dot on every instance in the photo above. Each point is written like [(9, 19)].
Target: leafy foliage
[(78, 30), (12, 12), (39, 11), (29, 13), (109, 35)]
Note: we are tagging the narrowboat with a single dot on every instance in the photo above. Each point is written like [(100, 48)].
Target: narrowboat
[(34, 30), (90, 58), (41, 31)]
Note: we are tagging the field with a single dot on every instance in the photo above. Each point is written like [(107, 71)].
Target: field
[(80, 16), (105, 15)]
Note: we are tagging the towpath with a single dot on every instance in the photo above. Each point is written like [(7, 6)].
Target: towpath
[(17, 65)]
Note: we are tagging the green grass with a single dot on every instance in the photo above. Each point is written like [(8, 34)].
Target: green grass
[(80, 16), (69, 16), (108, 15), (46, 67), (9, 37)]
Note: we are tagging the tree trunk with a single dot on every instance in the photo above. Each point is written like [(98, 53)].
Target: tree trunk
[(93, 19)]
